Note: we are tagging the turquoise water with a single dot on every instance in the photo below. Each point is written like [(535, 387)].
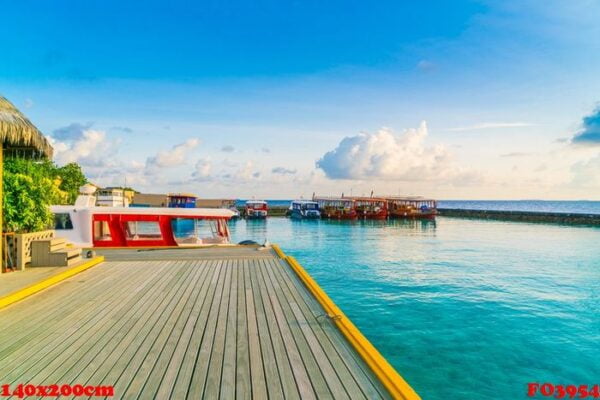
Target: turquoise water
[(463, 309)]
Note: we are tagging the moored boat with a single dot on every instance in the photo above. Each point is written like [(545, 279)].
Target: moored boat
[(256, 209), (88, 225), (182, 200), (229, 204), (370, 207), (336, 207), (304, 209), (411, 207)]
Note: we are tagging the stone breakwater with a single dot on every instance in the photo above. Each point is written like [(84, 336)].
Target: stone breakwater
[(524, 216)]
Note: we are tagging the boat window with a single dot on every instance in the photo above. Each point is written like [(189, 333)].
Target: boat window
[(62, 221), (142, 230), (101, 231), (191, 231)]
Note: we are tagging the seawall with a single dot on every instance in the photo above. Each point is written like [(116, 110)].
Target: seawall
[(523, 216), (276, 211)]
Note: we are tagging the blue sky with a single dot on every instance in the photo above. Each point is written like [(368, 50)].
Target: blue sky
[(283, 99)]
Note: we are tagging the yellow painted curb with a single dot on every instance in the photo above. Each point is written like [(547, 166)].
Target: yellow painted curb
[(39, 286), (391, 380)]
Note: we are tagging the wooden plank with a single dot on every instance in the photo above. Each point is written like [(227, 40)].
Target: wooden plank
[(270, 366), (333, 368), (175, 334), (309, 379), (60, 340), (70, 357), (149, 352), (27, 314), (297, 347), (109, 365), (328, 335), (228, 375), (257, 373), (234, 327), (215, 365), (198, 381), (292, 374), (167, 382), (242, 362), (186, 369)]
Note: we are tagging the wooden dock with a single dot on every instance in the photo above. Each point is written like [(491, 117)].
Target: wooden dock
[(214, 323)]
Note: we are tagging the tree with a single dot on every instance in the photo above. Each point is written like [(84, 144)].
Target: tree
[(72, 179), (30, 187)]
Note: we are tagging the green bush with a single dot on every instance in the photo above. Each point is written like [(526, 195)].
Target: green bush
[(30, 187)]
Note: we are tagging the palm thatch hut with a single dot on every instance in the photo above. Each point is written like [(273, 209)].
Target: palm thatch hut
[(18, 136)]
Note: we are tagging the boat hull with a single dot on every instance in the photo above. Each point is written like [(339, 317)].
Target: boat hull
[(294, 214), (414, 215), (339, 216)]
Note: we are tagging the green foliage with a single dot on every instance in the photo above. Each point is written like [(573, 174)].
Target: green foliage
[(72, 179), (30, 187)]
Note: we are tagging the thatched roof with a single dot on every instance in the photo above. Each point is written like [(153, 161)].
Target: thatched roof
[(18, 133)]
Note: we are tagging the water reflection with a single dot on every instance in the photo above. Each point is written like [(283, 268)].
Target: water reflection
[(276, 229)]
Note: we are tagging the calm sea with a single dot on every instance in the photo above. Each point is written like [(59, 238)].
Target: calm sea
[(580, 207), (463, 309)]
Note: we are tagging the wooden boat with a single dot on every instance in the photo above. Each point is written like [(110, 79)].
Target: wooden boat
[(370, 207), (411, 207), (336, 207), (304, 209), (88, 225), (256, 209)]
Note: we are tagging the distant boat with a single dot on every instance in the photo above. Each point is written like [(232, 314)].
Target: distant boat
[(230, 205), (256, 209), (411, 207), (336, 207), (370, 207), (182, 200), (304, 209)]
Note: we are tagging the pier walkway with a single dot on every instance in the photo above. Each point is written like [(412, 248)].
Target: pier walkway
[(199, 323)]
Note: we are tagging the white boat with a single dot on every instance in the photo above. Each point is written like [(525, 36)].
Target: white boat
[(256, 209), (304, 209), (87, 225)]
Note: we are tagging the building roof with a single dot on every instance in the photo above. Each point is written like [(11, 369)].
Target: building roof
[(18, 133)]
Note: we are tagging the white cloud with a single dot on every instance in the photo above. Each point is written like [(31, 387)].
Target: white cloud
[(202, 169), (90, 148), (386, 156), (491, 125), (174, 157)]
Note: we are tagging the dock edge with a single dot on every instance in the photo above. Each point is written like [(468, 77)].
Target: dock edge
[(389, 377), (46, 283)]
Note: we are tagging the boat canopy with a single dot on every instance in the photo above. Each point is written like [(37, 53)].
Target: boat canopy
[(256, 202)]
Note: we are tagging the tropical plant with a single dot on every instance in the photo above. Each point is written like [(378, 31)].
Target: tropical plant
[(72, 179), (30, 187)]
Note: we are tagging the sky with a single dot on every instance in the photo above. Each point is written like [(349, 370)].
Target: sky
[(274, 99)]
